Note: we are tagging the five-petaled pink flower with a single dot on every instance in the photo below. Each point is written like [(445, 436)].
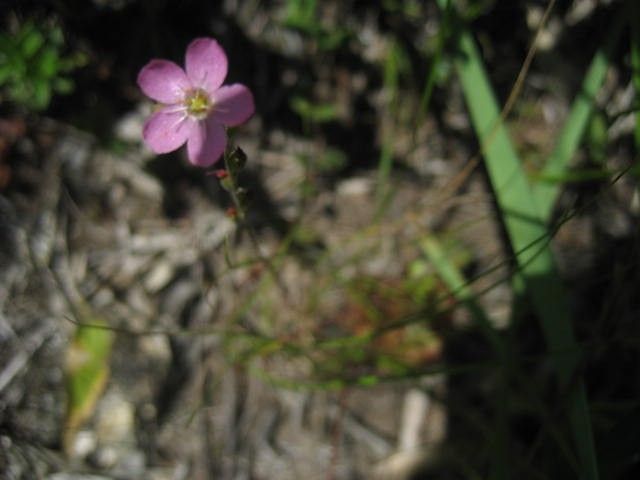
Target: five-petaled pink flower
[(196, 107)]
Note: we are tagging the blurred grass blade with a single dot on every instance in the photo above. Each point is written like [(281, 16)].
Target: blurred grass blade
[(87, 371), (577, 121), (396, 62), (527, 235), (430, 82), (459, 288), (583, 175)]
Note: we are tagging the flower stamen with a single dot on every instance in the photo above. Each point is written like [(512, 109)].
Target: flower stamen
[(197, 103)]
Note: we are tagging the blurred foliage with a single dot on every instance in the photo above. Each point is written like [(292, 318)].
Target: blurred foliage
[(332, 160), (301, 15), (472, 9), (313, 113), (87, 371), (408, 8), (33, 66), (597, 138), (395, 67), (378, 340)]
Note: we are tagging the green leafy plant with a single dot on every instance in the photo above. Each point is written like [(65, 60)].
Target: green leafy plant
[(33, 67)]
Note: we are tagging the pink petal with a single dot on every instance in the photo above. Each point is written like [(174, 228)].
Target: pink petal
[(233, 104), (206, 143), (206, 64), (163, 81), (167, 130)]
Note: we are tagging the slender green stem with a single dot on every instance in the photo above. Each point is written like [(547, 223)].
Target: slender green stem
[(241, 216)]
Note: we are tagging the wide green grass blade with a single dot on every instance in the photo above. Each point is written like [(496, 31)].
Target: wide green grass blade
[(575, 125), (527, 234)]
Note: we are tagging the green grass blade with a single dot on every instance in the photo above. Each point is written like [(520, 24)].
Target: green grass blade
[(430, 82), (460, 289), (526, 230), (394, 65), (576, 123)]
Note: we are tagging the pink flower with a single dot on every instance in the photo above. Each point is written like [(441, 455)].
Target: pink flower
[(196, 107)]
